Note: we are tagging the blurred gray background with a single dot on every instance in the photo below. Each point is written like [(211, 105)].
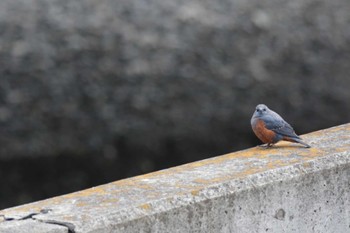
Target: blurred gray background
[(95, 91)]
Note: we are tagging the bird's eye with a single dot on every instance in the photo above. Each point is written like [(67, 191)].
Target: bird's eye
[(264, 109)]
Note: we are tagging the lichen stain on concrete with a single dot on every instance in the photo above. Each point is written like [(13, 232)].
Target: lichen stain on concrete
[(195, 192), (248, 172), (88, 192), (311, 153), (81, 204), (280, 163), (306, 165), (341, 149), (208, 181), (145, 206)]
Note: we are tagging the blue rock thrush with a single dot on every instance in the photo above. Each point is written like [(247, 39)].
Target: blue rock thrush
[(270, 127)]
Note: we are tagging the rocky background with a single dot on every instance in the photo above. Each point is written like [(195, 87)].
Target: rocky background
[(94, 91)]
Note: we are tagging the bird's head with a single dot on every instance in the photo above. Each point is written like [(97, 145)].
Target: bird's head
[(261, 109)]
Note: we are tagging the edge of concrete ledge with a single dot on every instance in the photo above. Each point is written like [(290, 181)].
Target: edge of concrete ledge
[(137, 202)]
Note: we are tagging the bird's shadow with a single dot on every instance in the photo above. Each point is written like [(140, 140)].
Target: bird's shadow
[(281, 146)]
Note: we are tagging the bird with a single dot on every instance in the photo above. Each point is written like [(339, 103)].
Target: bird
[(271, 128)]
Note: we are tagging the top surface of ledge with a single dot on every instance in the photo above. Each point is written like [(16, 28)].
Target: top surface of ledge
[(131, 198)]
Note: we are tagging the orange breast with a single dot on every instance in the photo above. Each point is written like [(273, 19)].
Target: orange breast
[(264, 134)]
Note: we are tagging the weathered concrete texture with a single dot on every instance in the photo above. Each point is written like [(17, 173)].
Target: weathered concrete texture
[(287, 188), (30, 226)]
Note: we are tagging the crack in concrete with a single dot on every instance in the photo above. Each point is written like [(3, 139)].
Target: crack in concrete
[(28, 216), (69, 226)]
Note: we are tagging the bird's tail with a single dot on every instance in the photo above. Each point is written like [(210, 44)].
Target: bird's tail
[(301, 142), (298, 140)]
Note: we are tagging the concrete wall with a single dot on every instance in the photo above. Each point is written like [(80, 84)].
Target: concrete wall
[(287, 188)]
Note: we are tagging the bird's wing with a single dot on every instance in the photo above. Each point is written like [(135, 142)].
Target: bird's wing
[(279, 126)]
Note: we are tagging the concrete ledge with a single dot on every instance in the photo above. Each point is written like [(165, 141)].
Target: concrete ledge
[(284, 189)]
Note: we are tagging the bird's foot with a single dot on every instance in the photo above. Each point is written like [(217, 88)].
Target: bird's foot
[(267, 145)]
